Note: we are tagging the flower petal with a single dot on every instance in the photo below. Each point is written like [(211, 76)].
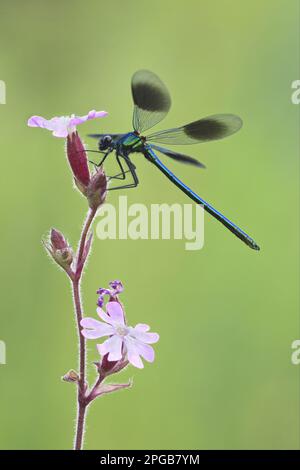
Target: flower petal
[(59, 126), (142, 327), (97, 114), (115, 311), (88, 322), (57, 122), (37, 121), (112, 346), (135, 360), (77, 120), (104, 316), (91, 115), (146, 351), (63, 125), (61, 132), (149, 338), (97, 328), (133, 353)]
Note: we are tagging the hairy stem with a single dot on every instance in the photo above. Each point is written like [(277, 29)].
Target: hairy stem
[(81, 406), (91, 395), (89, 219), (81, 397)]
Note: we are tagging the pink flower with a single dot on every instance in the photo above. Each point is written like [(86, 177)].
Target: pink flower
[(64, 125), (124, 341)]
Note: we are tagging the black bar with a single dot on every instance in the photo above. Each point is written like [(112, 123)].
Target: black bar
[(144, 458)]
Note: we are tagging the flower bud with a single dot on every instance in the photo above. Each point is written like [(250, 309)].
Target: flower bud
[(58, 241), (78, 161), (80, 186), (97, 189), (59, 249), (106, 367), (71, 376), (116, 288), (63, 257)]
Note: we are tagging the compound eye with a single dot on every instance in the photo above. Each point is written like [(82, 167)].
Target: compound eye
[(105, 142)]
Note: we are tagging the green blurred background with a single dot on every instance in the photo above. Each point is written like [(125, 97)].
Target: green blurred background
[(227, 315)]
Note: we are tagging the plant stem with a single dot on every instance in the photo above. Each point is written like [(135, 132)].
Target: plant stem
[(81, 397), (81, 383), (89, 219), (91, 395)]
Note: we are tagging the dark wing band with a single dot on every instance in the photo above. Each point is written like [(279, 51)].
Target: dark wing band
[(151, 99), (214, 127), (178, 156)]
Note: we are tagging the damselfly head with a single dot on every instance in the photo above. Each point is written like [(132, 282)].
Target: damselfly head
[(105, 142)]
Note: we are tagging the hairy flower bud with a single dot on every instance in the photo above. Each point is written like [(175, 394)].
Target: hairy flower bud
[(78, 161), (106, 367), (97, 189), (58, 241), (116, 288), (80, 186), (59, 249), (71, 376), (64, 257)]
